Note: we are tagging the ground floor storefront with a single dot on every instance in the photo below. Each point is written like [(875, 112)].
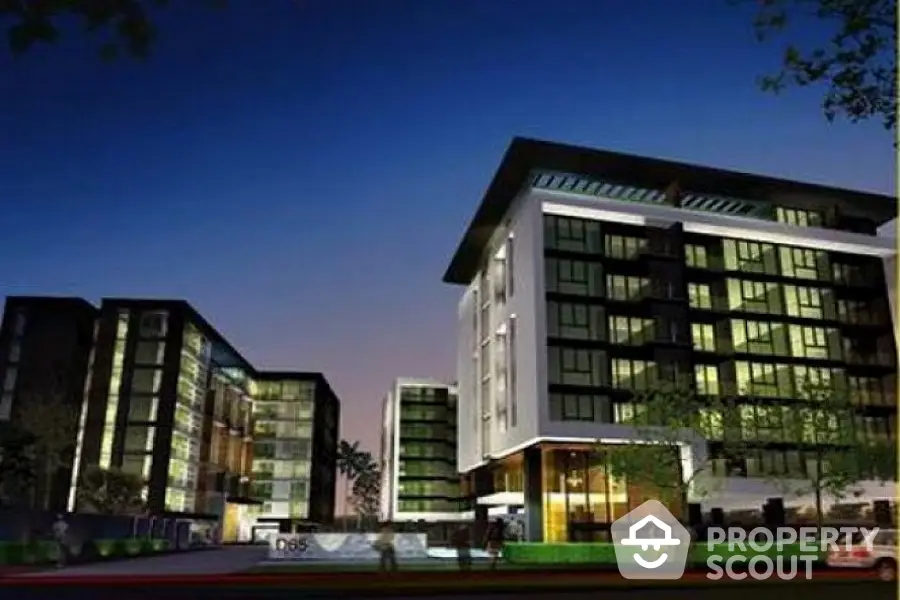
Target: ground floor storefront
[(562, 492)]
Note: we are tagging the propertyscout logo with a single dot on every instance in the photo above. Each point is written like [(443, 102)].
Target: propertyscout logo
[(650, 543)]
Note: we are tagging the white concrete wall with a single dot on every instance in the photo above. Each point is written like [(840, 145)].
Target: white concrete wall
[(889, 232)]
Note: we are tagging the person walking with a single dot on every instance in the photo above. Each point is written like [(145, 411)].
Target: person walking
[(61, 537), (494, 538), (385, 546), (463, 545)]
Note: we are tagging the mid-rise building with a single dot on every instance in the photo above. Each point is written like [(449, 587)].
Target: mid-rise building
[(420, 481), (163, 395), (889, 231), (44, 349), (589, 275)]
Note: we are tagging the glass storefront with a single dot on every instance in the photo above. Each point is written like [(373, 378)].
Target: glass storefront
[(580, 497)]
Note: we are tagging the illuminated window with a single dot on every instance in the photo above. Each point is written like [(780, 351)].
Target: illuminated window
[(704, 337), (695, 256), (805, 302), (625, 288), (817, 378), (706, 378), (633, 374), (804, 263), (867, 391), (758, 337), (699, 296), (798, 217), (813, 342), (750, 257), (627, 248), (764, 380), (630, 330), (754, 296)]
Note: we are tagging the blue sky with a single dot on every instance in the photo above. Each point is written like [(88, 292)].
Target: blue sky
[(302, 171)]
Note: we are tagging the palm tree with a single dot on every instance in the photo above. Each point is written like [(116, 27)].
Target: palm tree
[(348, 460), (365, 480)]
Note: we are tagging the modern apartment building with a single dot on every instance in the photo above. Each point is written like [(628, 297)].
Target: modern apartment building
[(44, 348), (420, 481), (161, 394), (889, 231), (589, 275)]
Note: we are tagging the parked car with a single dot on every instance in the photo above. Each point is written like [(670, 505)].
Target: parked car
[(882, 557)]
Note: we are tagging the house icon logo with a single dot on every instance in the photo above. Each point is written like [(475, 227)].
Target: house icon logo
[(650, 543)]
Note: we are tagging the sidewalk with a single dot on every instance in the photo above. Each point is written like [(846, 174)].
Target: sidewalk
[(220, 561)]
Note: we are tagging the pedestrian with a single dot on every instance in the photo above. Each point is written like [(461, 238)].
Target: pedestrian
[(463, 545), (516, 530), (494, 538), (61, 537), (385, 546)]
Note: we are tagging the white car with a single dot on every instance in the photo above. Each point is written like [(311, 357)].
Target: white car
[(882, 557)]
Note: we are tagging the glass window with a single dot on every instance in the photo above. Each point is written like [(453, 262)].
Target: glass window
[(575, 321), (625, 288), (798, 217), (569, 407), (704, 337), (695, 256), (149, 352), (750, 257), (9, 379), (814, 342), (754, 296), (623, 247), (573, 277), (700, 296), (570, 366), (146, 381), (804, 263), (139, 438), (630, 330), (154, 324), (633, 374), (706, 378), (142, 408), (758, 337), (573, 235)]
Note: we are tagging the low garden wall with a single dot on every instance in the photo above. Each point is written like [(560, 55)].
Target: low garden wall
[(604, 553)]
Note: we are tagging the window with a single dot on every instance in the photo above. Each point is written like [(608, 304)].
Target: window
[(575, 321), (573, 277), (813, 342), (573, 235), (569, 366), (149, 352), (153, 324), (142, 408), (146, 381), (569, 407), (699, 296), (625, 288), (798, 217), (750, 257), (758, 337), (695, 256), (804, 263), (704, 337), (627, 248), (817, 377), (764, 380), (139, 439), (866, 391), (769, 423), (806, 302), (754, 296), (513, 376), (633, 374), (630, 330), (706, 378)]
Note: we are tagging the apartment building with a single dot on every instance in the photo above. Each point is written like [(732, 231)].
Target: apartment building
[(44, 349), (588, 275), (420, 481), (163, 395)]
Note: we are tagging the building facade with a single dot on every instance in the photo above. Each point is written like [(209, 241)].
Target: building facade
[(590, 275), (44, 348), (420, 481), (161, 394)]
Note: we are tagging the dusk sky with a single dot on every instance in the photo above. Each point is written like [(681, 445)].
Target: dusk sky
[(302, 172)]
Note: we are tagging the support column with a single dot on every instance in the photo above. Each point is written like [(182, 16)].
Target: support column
[(534, 509)]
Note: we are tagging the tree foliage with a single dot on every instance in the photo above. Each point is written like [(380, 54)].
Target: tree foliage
[(17, 464), (127, 24), (666, 417), (110, 492), (841, 456), (856, 63), (52, 421)]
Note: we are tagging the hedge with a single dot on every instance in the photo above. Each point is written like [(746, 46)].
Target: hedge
[(39, 552), (604, 553)]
